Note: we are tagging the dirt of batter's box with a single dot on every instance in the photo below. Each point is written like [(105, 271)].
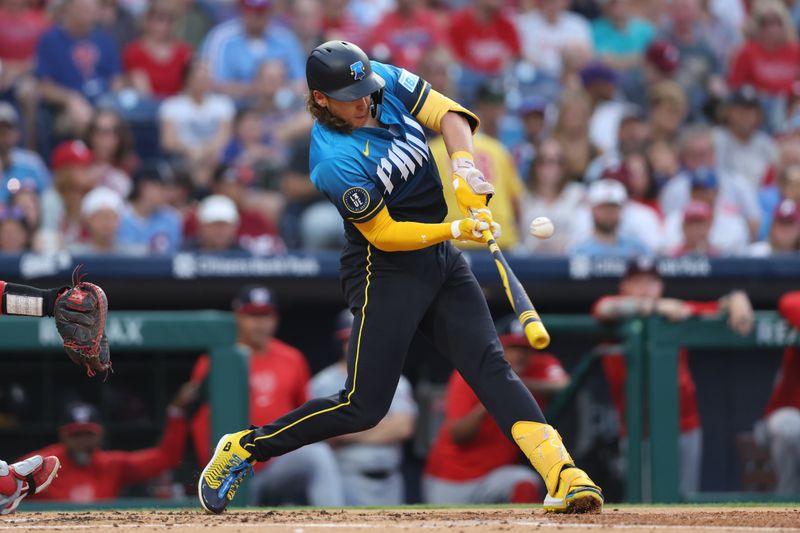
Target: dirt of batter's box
[(412, 519)]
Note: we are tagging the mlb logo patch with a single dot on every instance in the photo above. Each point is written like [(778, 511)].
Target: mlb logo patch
[(357, 70)]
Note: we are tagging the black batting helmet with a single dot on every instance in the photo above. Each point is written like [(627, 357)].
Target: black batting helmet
[(341, 70)]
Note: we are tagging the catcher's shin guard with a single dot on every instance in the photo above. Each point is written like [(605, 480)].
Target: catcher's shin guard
[(229, 465), (569, 489)]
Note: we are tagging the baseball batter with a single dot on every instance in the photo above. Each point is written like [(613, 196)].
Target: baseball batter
[(400, 274), (80, 317)]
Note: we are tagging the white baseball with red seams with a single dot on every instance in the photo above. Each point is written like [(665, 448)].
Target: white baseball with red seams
[(541, 228)]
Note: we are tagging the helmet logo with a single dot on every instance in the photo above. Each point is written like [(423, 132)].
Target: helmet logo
[(357, 70)]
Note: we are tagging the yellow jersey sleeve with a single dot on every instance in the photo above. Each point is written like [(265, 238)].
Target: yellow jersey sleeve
[(432, 106), (389, 235)]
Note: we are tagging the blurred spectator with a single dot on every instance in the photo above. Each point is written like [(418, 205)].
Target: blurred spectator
[(194, 21), (722, 22), (740, 146), (21, 25), (370, 461), (697, 221), (279, 382), (306, 18), (547, 30), (784, 232), (550, 193), (697, 68), (111, 142), (641, 292), (607, 197), (572, 129), (698, 157), (600, 82), (770, 58), (196, 125), (117, 21), (668, 109), (15, 233), (532, 112), (779, 429), (149, 223), (632, 137), (484, 41), (89, 473), (496, 164), (74, 175), (640, 181), (340, 23), (155, 63), (101, 209), (663, 159), (247, 147), (620, 39), (300, 194), (77, 63), (787, 187), (218, 223), (19, 167), (281, 117), (235, 49), (471, 460), (256, 232), (405, 34), (729, 230), (26, 199)]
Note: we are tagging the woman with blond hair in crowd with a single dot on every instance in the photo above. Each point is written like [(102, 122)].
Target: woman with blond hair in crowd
[(572, 129), (550, 193), (769, 60)]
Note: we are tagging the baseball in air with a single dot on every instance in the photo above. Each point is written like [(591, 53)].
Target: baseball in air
[(542, 228)]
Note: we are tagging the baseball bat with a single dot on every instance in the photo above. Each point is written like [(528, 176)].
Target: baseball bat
[(534, 328)]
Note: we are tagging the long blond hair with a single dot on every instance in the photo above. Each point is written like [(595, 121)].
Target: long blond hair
[(765, 8)]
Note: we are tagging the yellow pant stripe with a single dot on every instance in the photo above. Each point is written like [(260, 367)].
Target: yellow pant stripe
[(358, 353)]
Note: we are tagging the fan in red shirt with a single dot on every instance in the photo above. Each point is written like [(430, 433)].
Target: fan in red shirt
[(780, 427), (471, 460), (770, 59), (279, 382), (483, 38), (641, 293), (156, 63), (89, 473), (20, 29), (406, 34)]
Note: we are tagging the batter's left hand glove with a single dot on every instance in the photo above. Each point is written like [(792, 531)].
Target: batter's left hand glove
[(485, 215), (472, 190), (80, 315)]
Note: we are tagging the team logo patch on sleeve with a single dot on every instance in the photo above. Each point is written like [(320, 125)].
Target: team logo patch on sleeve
[(356, 199), (408, 80)]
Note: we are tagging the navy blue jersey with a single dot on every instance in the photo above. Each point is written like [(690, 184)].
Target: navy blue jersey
[(362, 171)]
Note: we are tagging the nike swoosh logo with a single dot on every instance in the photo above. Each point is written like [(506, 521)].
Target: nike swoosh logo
[(366, 150)]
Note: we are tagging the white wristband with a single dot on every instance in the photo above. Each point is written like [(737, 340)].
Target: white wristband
[(455, 229)]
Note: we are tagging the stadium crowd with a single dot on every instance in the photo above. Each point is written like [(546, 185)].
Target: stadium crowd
[(653, 126)]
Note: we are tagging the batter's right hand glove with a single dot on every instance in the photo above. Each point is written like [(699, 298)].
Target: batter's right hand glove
[(80, 314), (472, 190), (470, 229)]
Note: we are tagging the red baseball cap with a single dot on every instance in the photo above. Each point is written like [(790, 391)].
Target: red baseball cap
[(697, 211), (664, 56), (71, 153), (787, 211)]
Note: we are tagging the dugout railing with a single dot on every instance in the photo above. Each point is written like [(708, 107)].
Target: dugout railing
[(651, 350)]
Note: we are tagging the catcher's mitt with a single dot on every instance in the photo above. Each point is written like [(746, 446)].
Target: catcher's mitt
[(80, 315)]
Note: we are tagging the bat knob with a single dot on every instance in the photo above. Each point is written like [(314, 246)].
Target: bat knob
[(537, 335)]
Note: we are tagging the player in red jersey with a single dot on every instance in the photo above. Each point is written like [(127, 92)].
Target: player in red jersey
[(641, 293), (471, 460), (780, 427)]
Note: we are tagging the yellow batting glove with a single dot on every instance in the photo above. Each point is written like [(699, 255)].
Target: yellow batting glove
[(471, 189), (485, 215), (469, 229)]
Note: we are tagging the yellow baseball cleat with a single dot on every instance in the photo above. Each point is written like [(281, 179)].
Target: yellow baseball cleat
[(229, 465), (576, 493)]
